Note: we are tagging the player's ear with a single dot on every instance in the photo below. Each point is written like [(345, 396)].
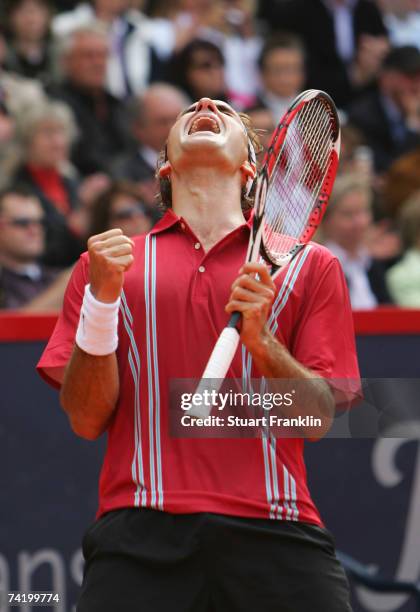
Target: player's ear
[(165, 170), (248, 170)]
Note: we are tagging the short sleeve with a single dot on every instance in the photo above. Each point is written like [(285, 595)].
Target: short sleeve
[(59, 348), (324, 339)]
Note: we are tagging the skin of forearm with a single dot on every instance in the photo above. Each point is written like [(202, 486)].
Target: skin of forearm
[(274, 361), (89, 392)]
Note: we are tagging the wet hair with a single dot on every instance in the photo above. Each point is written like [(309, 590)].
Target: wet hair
[(164, 196)]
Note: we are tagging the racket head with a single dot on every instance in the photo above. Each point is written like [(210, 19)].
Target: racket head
[(296, 178)]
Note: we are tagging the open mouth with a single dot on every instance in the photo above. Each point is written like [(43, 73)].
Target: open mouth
[(204, 123)]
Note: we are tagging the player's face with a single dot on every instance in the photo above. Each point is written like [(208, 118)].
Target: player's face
[(209, 133)]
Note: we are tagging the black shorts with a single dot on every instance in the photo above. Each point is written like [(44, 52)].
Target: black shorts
[(141, 560)]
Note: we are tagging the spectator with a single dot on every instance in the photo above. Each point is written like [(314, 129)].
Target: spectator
[(404, 277), (137, 52), (263, 122), (29, 46), (390, 117), (8, 147), (16, 92), (355, 156), (46, 132), (401, 180), (228, 24), (119, 206), (282, 66), (199, 71), (402, 19), (23, 280), (241, 45), (153, 114), (345, 41), (99, 115), (345, 230)]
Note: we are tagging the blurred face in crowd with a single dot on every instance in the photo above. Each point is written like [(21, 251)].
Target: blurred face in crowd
[(30, 20), (263, 119), (86, 61), (283, 72), (403, 89), (349, 219), (129, 215), (205, 75), (160, 111), (22, 234), (49, 145)]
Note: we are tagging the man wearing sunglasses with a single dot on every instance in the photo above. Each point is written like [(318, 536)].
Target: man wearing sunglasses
[(24, 282)]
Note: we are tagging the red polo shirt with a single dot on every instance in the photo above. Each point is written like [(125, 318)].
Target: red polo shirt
[(172, 313)]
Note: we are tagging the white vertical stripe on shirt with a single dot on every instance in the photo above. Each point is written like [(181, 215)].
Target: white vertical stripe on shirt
[(156, 381)]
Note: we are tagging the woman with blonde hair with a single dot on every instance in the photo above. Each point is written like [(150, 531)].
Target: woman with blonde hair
[(46, 132), (345, 229)]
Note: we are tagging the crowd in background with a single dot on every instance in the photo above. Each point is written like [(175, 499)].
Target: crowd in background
[(89, 91)]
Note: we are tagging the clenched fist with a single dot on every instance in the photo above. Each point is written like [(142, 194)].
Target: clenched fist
[(253, 299), (110, 255)]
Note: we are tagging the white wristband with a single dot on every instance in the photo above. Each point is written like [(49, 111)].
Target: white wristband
[(97, 332)]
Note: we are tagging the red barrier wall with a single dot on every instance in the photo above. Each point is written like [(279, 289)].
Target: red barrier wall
[(15, 327)]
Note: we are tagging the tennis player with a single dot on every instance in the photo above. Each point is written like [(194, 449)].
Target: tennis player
[(199, 524)]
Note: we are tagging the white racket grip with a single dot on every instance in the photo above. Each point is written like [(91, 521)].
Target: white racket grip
[(216, 368)]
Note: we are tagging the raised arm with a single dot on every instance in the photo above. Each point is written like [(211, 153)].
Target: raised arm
[(90, 388)]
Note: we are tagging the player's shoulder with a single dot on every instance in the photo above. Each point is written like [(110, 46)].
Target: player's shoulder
[(319, 255)]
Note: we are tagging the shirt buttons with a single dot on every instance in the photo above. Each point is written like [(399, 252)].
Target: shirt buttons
[(197, 245), (201, 269)]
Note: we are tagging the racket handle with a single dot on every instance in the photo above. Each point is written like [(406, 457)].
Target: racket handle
[(217, 367)]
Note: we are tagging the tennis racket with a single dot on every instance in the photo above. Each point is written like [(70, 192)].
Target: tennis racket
[(292, 194)]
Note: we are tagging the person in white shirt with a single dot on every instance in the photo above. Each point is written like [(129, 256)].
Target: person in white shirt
[(137, 53)]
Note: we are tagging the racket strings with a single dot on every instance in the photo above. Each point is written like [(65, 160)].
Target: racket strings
[(297, 178)]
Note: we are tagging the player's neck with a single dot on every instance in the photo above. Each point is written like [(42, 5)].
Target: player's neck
[(209, 202)]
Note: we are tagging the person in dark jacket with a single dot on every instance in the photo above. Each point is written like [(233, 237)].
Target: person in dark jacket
[(100, 116), (389, 117), (345, 41), (152, 115)]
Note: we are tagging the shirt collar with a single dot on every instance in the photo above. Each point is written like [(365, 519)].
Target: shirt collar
[(170, 219)]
